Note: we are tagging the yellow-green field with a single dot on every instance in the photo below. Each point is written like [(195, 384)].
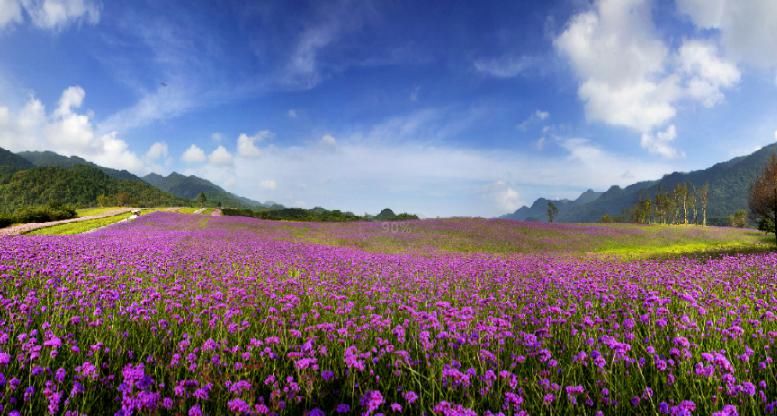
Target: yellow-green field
[(88, 212)]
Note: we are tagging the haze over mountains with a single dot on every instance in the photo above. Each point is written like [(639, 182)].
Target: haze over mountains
[(729, 184)]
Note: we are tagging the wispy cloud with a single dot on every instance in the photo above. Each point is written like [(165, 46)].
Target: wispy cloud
[(507, 66)]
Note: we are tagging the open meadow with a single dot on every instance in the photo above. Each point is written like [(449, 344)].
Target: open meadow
[(187, 314)]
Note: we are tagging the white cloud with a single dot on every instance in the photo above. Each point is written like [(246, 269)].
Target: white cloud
[(65, 131), (193, 154), (10, 12), (303, 69), (49, 14), (619, 60), (708, 73), (157, 151), (629, 77), (368, 174), (503, 67), (659, 143), (775, 135), (54, 14), (246, 145), (536, 116), (747, 28), (328, 140), (220, 157), (268, 184), (506, 198), (292, 113)]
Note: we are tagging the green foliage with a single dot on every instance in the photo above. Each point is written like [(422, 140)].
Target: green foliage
[(44, 214), (317, 214), (552, 211), (78, 185), (6, 221), (190, 187), (48, 159), (738, 219), (10, 163)]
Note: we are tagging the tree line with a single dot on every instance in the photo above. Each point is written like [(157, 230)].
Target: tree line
[(685, 204)]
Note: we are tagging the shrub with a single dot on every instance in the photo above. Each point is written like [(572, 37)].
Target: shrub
[(6, 221), (44, 214)]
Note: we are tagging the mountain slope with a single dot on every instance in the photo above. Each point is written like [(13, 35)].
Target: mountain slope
[(729, 184), (188, 187), (538, 210), (50, 159), (79, 185), (10, 163)]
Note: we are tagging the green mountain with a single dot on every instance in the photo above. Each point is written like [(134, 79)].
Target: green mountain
[(79, 185), (189, 187), (55, 160), (183, 187), (10, 163), (729, 184)]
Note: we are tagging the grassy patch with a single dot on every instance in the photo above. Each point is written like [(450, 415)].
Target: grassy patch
[(79, 227), (88, 212)]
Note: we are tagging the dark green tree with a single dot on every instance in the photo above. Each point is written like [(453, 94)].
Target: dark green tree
[(202, 199), (552, 211)]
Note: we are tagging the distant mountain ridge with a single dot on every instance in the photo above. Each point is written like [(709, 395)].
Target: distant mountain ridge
[(189, 187), (729, 184), (180, 186), (50, 159), (23, 185)]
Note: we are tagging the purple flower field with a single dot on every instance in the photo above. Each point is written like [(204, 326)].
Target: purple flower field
[(184, 315)]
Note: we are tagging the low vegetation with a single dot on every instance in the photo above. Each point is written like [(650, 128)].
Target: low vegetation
[(37, 214), (316, 215)]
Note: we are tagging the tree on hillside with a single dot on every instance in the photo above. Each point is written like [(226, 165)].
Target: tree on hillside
[(552, 211), (738, 219), (681, 196), (202, 199), (704, 198), (763, 197), (693, 194), (122, 199)]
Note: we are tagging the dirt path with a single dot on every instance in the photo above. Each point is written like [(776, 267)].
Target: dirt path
[(216, 213), (25, 228)]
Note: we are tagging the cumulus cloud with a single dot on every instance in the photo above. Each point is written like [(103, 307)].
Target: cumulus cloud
[(10, 12), (505, 197), (747, 27), (157, 151), (49, 14), (328, 140), (629, 77), (707, 72), (220, 157), (660, 142), (246, 145), (193, 154), (65, 131)]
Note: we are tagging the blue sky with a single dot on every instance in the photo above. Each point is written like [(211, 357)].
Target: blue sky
[(439, 108)]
